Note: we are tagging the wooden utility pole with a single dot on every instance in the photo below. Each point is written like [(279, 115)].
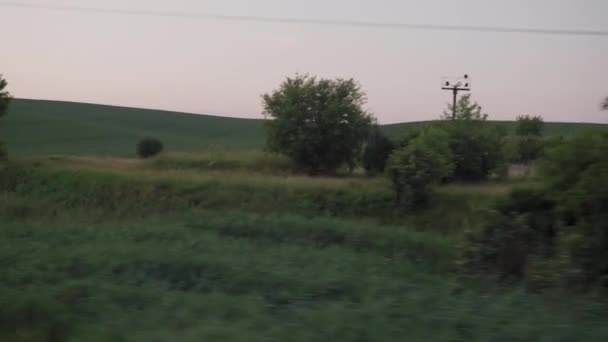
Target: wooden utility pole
[(456, 86)]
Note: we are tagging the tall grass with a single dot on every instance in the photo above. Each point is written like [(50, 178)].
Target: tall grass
[(193, 280)]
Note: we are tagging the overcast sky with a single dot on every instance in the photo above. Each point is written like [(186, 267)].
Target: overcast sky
[(222, 67)]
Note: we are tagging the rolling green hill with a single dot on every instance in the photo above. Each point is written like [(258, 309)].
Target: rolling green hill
[(36, 127)]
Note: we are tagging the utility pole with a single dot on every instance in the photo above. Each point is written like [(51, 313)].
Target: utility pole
[(456, 85)]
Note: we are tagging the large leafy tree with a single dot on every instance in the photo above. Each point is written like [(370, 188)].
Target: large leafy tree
[(319, 123), (5, 98)]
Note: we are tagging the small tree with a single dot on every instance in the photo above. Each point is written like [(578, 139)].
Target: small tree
[(377, 151), (476, 146), (529, 125), (5, 99), (319, 123), (414, 169), (149, 147), (605, 104), (466, 110)]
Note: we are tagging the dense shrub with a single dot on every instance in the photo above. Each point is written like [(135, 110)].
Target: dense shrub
[(559, 233), (149, 147), (523, 149), (414, 169), (376, 152), (517, 231), (319, 123), (529, 125), (577, 173), (477, 149)]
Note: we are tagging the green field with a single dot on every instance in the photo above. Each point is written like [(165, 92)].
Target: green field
[(215, 247), (215, 240), (35, 127)]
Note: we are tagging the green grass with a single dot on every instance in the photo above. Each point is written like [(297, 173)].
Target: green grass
[(51, 127), (216, 246), (34, 127), (229, 276)]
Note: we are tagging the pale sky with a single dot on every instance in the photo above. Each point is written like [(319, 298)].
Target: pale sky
[(222, 67)]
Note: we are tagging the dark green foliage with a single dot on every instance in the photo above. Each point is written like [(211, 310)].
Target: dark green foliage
[(558, 235), (376, 152), (518, 230), (475, 144), (529, 125), (524, 149), (476, 148), (577, 173), (319, 124), (5, 96), (149, 147), (5, 99), (417, 167), (466, 110)]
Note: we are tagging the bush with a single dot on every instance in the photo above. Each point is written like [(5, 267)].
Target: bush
[(517, 231), (149, 147), (413, 170), (529, 125), (319, 124), (577, 174), (558, 233), (376, 152), (477, 149), (523, 149)]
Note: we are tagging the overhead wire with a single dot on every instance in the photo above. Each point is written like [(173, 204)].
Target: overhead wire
[(308, 21)]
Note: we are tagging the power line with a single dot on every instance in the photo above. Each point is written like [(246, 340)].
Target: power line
[(310, 21)]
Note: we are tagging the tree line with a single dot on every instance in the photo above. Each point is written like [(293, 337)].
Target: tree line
[(552, 233)]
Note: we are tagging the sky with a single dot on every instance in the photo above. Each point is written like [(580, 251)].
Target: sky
[(223, 67)]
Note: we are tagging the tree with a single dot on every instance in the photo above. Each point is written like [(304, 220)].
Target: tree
[(476, 145), (377, 151), (605, 104), (5, 99), (149, 147), (415, 168), (466, 109), (529, 125), (320, 124)]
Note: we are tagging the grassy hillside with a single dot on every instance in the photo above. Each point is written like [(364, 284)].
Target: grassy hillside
[(50, 127), (180, 248)]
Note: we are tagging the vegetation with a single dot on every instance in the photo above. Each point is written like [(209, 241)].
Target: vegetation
[(415, 168), (319, 124), (149, 147), (87, 129), (5, 99), (236, 245), (529, 125), (123, 250), (476, 147), (377, 150), (556, 235)]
